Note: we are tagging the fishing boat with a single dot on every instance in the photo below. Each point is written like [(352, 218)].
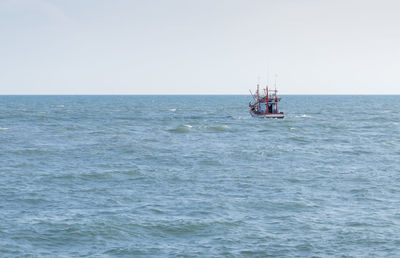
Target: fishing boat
[(265, 104)]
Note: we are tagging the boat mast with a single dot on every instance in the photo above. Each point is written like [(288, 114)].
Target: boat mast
[(275, 88), (276, 97), (267, 103)]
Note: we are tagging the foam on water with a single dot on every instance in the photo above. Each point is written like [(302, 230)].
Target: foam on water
[(118, 176), (216, 128), (180, 129)]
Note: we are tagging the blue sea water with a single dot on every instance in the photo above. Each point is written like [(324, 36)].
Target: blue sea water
[(197, 176)]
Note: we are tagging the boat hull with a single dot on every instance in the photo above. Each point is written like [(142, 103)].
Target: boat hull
[(270, 115)]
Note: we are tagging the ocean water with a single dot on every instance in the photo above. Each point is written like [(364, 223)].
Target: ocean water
[(186, 176)]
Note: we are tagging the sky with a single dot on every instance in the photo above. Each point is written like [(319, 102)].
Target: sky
[(199, 46)]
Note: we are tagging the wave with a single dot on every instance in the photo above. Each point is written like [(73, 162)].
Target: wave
[(207, 117), (181, 129), (32, 151), (217, 128), (242, 117), (187, 128)]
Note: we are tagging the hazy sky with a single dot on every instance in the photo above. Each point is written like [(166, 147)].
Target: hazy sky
[(199, 47)]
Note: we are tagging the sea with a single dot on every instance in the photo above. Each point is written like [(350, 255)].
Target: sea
[(197, 176)]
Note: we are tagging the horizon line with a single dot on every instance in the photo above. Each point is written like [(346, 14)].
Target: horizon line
[(205, 94)]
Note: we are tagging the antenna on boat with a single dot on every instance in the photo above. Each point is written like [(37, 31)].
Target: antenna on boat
[(276, 76)]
